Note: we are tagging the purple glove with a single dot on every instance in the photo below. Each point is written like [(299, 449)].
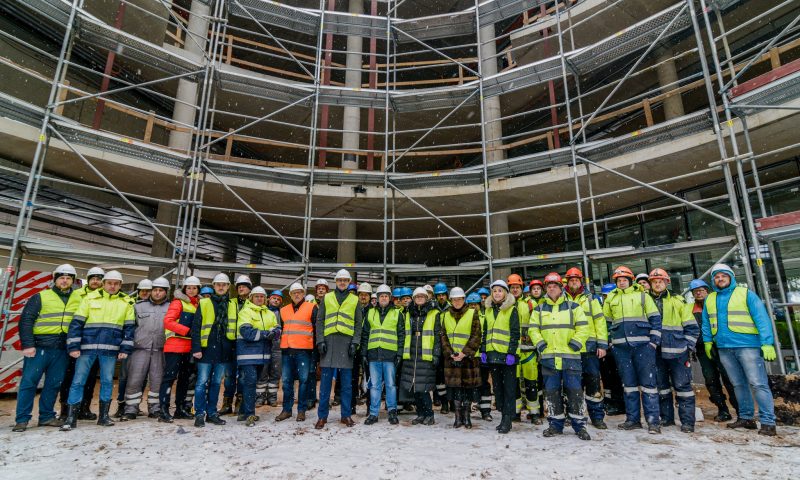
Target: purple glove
[(510, 359), (483, 358)]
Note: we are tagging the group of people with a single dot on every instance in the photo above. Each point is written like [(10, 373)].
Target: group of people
[(549, 348)]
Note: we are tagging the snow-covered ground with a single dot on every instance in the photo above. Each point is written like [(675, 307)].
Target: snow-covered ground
[(146, 449)]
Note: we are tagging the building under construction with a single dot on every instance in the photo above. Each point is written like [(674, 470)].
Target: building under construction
[(410, 141)]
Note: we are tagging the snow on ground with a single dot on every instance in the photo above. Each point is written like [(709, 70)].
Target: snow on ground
[(145, 449)]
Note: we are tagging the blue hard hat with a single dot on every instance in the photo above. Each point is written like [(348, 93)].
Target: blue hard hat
[(527, 289), (698, 283), (405, 291), (206, 291), (276, 292), (473, 298), (607, 288), (352, 287), (396, 292), (439, 288), (484, 291)]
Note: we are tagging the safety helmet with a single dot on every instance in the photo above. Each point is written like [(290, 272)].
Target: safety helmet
[(428, 289), (642, 276), (243, 280), (483, 291), (65, 269), (500, 283), (659, 273), (296, 286), (536, 282), (221, 278), (698, 283), (457, 292), (113, 275), (607, 288), (321, 281), (574, 272), (419, 291), (622, 272), (145, 285), (526, 289), (365, 288), (276, 293), (383, 288), (352, 287), (514, 279), (552, 277), (374, 295), (95, 272), (473, 298), (310, 298), (192, 281), (440, 288), (161, 282), (406, 292), (208, 291), (259, 290), (342, 274), (397, 292)]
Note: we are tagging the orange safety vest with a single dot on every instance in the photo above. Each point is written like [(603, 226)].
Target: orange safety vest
[(298, 327)]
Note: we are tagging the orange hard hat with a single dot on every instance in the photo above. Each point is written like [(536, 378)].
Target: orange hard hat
[(659, 273), (514, 279), (552, 277), (574, 272), (622, 272), (536, 282)]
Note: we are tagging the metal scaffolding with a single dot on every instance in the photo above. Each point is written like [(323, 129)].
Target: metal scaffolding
[(440, 68)]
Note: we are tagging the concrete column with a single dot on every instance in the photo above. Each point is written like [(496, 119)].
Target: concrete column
[(194, 45), (501, 247), (668, 74), (167, 215), (352, 115), (345, 249)]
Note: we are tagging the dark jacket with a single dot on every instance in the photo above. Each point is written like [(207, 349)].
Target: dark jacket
[(219, 349), (466, 373), (417, 374), (26, 321), (338, 344), (513, 323), (381, 354)]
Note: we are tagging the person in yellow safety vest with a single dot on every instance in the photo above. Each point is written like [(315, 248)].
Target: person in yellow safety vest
[(440, 305), (537, 292), (679, 332), (559, 330), (339, 320), (232, 397), (595, 347), (475, 302), (736, 320), (43, 328), (499, 349), (421, 355), (528, 368), (635, 335), (214, 349)]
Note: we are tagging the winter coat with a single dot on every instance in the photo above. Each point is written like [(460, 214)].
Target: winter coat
[(150, 325), (465, 374), (725, 338), (28, 318), (634, 317), (180, 323), (218, 349), (103, 324), (679, 330), (337, 344), (257, 327), (513, 324), (418, 375)]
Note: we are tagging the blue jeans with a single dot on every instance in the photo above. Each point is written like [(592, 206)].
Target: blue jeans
[(50, 362), (296, 366), (345, 376), (206, 390), (672, 373), (637, 368), (745, 367), (381, 373), (83, 365)]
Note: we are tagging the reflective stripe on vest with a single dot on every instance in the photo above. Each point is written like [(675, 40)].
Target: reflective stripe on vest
[(209, 316), (739, 319), (458, 332), (187, 309), (298, 327), (427, 339), (383, 335), (55, 315), (498, 330), (340, 318)]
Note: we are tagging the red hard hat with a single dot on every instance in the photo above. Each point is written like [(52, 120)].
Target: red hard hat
[(622, 272), (552, 277), (536, 282), (659, 273), (514, 279), (574, 272)]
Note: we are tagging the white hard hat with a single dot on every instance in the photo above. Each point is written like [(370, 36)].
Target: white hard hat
[(342, 274), (95, 272), (145, 285), (420, 291), (374, 295), (221, 278), (500, 283), (161, 282), (243, 279), (457, 292), (113, 275), (258, 291), (296, 286), (192, 281), (65, 269), (321, 281), (365, 288), (428, 288), (383, 288), (309, 298)]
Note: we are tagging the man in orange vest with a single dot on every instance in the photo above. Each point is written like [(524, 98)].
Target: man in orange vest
[(297, 344)]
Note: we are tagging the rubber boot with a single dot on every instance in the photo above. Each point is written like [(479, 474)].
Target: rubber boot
[(71, 421), (505, 424), (104, 420), (163, 414), (458, 412), (466, 409), (120, 410), (181, 413), (227, 406), (85, 412)]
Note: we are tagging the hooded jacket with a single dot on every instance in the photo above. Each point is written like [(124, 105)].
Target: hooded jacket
[(725, 338)]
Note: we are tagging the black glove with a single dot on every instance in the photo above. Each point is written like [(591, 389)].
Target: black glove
[(351, 350), (322, 348)]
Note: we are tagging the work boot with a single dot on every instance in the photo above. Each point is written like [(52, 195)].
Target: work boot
[(164, 416), (63, 415), (53, 422), (320, 424), (614, 410), (347, 422), (261, 400), (654, 429), (486, 416), (418, 420), (199, 422), (393, 420), (687, 428), (301, 417), (251, 420), (748, 424), (551, 432), (180, 413), (505, 424), (336, 402), (283, 416), (445, 407), (723, 416), (104, 420), (120, 410), (215, 419), (85, 412), (583, 434), (371, 420), (127, 416), (629, 425), (465, 415), (536, 419), (188, 408), (428, 420), (459, 421), (599, 424), (227, 406), (20, 427), (72, 418), (667, 423), (768, 430)]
